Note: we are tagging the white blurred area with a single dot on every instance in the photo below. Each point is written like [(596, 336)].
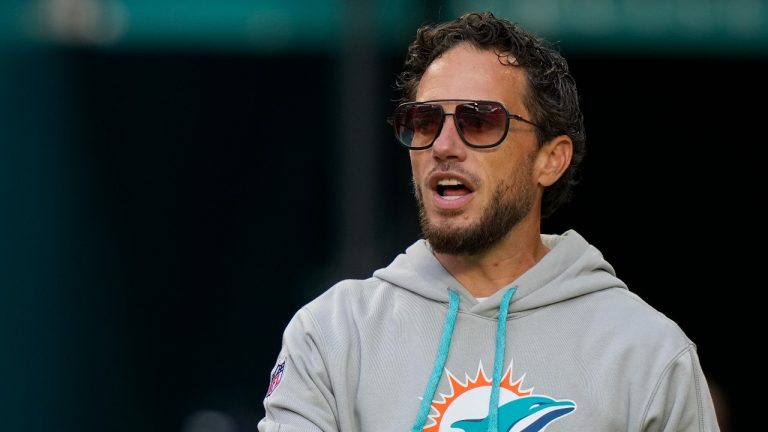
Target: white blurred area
[(88, 22)]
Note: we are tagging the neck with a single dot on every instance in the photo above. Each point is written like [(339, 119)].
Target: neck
[(486, 273)]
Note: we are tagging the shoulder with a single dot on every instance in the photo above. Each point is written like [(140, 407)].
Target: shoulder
[(626, 309), (350, 295), (626, 323), (351, 301)]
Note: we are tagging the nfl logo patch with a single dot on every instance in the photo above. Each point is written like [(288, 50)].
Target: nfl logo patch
[(276, 377)]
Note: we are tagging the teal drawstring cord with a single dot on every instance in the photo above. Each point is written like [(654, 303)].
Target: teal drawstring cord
[(498, 361), (442, 356)]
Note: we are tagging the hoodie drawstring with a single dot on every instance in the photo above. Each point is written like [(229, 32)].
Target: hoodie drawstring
[(498, 361), (442, 356)]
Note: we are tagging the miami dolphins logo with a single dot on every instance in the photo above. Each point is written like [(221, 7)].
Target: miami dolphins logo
[(465, 407)]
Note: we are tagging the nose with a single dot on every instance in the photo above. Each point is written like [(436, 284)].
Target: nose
[(448, 144)]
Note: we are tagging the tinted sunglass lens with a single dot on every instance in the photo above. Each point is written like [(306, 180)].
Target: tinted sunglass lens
[(417, 125), (482, 124)]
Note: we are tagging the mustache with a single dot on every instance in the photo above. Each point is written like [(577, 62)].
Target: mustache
[(454, 167)]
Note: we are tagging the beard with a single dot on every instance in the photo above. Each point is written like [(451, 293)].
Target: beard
[(511, 202)]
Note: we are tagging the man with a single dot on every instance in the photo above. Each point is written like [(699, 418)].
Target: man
[(486, 324)]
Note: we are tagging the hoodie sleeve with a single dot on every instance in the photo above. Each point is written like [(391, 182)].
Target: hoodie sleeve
[(300, 397), (681, 401)]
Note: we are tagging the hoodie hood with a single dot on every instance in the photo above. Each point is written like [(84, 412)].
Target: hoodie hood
[(571, 268)]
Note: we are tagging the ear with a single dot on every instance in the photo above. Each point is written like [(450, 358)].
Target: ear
[(553, 159)]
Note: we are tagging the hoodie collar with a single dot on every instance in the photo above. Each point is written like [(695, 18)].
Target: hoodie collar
[(570, 269)]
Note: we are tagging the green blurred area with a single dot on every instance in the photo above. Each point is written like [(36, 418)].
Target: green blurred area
[(702, 26), (720, 27)]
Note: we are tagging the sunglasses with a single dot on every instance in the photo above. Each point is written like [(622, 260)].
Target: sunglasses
[(481, 124)]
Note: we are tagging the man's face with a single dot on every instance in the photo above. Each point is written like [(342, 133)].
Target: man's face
[(496, 189)]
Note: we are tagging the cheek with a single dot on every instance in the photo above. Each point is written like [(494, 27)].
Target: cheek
[(499, 172), (417, 164), (516, 166)]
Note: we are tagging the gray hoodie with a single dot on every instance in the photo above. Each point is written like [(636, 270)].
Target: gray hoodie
[(411, 349)]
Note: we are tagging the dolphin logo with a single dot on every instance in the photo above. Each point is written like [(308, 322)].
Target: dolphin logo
[(531, 412)]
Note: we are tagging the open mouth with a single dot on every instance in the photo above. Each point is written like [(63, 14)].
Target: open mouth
[(452, 189)]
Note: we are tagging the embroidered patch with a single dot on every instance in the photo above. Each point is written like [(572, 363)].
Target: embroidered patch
[(465, 407), (276, 377)]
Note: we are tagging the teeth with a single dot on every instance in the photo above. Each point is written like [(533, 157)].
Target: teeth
[(449, 182)]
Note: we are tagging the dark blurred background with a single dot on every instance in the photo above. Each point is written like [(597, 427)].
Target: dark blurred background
[(178, 177)]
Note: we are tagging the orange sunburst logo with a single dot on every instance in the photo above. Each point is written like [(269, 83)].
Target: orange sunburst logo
[(469, 399)]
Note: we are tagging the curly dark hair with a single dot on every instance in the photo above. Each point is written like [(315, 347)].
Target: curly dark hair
[(551, 99)]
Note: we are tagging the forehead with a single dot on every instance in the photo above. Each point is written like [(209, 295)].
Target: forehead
[(466, 72)]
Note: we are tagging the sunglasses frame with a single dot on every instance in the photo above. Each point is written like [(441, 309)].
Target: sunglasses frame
[(391, 121)]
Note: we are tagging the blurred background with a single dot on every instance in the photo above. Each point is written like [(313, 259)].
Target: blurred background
[(178, 177)]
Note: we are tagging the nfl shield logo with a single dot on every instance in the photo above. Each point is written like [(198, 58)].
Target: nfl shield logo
[(276, 377)]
